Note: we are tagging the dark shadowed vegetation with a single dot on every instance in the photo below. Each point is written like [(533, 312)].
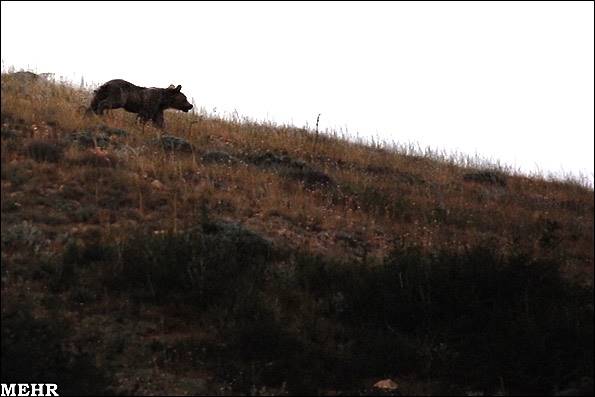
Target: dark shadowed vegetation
[(234, 257)]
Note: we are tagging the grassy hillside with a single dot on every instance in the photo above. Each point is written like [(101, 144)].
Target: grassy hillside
[(234, 257)]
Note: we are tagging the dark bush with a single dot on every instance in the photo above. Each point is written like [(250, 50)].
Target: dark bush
[(474, 318), (488, 316), (77, 253), (208, 264), (361, 343), (35, 351), (44, 150), (256, 334)]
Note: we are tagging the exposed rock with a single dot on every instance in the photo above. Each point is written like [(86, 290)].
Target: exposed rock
[(385, 387), (310, 177), (24, 76), (386, 384), (90, 139), (100, 136), (292, 168), (157, 185), (113, 131), (219, 157), (269, 159), (28, 76), (174, 143)]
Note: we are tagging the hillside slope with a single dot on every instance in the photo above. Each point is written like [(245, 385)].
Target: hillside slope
[(229, 256)]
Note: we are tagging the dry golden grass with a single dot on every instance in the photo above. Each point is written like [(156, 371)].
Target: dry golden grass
[(380, 194)]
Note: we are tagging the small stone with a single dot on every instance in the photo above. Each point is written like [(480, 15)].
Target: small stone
[(157, 185), (386, 384)]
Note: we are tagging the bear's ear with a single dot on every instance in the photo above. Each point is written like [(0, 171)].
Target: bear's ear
[(171, 87), (179, 88)]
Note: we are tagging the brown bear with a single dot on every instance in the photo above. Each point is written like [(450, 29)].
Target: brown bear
[(148, 103)]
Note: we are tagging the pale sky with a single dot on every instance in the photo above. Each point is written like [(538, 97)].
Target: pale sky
[(511, 82)]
